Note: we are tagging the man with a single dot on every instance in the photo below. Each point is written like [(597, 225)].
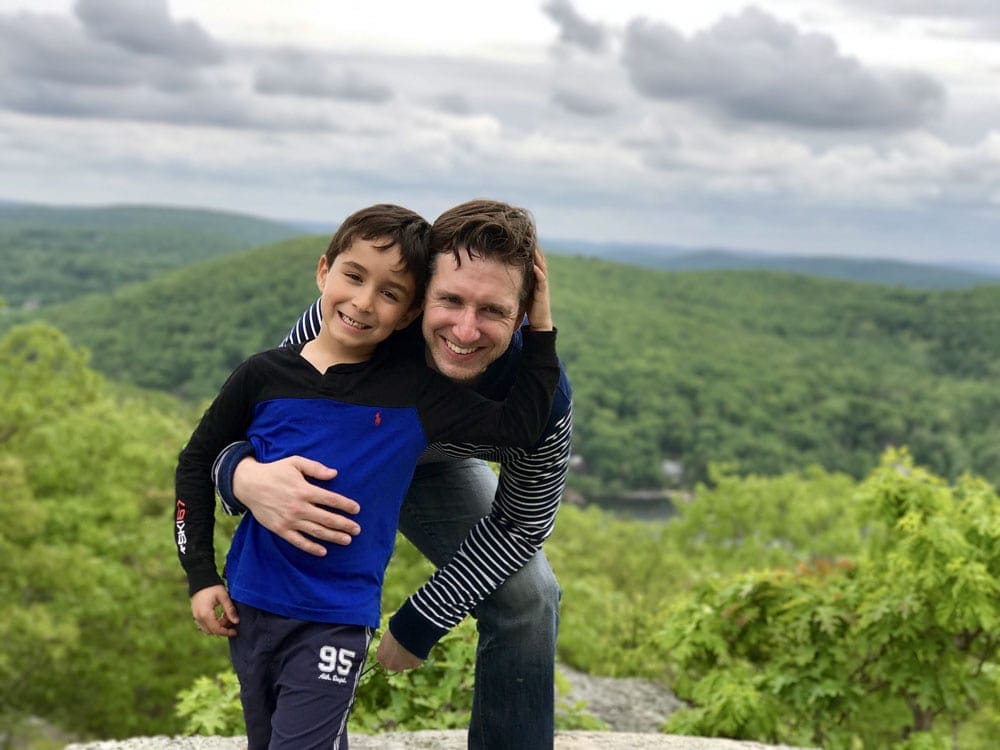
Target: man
[(483, 535)]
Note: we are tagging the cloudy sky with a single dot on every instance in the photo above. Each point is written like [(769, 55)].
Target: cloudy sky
[(850, 127)]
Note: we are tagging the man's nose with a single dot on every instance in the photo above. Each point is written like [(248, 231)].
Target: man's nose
[(466, 328)]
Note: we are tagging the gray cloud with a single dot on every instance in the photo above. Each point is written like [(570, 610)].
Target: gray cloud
[(755, 67), (582, 103), (99, 65), (301, 74), (976, 18), (145, 27), (45, 50), (215, 108), (452, 104), (574, 29), (982, 9)]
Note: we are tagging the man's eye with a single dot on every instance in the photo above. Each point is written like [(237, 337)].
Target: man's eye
[(493, 312)]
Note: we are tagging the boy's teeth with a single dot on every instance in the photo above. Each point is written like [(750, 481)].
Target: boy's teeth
[(459, 349), (352, 321)]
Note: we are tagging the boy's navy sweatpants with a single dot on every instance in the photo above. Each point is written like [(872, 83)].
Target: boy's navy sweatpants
[(297, 679)]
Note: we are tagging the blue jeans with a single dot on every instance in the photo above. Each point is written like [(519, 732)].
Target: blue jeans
[(513, 702)]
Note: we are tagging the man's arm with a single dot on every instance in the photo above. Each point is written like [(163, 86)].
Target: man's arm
[(283, 500), (523, 515)]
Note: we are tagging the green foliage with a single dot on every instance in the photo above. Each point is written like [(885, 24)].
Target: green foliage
[(51, 255), (892, 648), (573, 714), (96, 629), (870, 271), (211, 706), (613, 601), (801, 607), (766, 372), (770, 372), (186, 330), (437, 695)]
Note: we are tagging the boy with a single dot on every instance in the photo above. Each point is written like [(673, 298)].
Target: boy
[(305, 622)]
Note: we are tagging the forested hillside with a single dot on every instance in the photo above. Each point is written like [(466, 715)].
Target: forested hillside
[(763, 370), (868, 270), (809, 608), (54, 254)]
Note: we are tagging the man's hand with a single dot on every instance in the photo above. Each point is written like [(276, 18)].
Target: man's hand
[(282, 500), (214, 612), (394, 657), (540, 310)]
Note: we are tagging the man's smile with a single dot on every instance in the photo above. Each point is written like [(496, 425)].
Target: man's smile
[(459, 349)]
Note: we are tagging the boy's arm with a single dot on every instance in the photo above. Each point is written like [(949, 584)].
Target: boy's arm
[(194, 519), (524, 510)]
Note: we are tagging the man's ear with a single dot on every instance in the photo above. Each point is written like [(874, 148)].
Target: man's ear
[(322, 269), (409, 317)]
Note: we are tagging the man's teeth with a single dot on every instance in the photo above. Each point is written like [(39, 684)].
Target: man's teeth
[(459, 349)]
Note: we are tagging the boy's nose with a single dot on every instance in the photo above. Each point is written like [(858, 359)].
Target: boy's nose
[(363, 300)]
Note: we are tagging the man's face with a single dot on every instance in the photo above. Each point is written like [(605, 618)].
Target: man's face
[(471, 312)]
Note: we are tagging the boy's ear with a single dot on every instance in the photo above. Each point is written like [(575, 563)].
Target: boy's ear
[(409, 317), (322, 269)]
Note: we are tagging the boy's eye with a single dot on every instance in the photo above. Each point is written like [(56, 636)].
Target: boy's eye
[(352, 276), (391, 295)]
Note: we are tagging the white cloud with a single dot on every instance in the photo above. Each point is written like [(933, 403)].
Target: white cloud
[(753, 127)]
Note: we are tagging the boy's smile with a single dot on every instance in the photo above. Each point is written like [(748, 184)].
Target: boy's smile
[(366, 295)]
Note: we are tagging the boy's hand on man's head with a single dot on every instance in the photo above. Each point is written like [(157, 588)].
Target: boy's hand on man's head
[(539, 311), (214, 612)]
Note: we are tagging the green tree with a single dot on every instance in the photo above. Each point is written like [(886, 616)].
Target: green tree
[(896, 647), (96, 627)]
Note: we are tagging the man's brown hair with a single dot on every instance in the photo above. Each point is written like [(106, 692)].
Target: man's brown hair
[(491, 230)]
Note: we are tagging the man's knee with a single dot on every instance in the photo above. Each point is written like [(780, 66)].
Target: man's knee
[(530, 596)]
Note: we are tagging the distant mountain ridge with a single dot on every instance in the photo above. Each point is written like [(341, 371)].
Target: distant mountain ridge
[(51, 254), (959, 275)]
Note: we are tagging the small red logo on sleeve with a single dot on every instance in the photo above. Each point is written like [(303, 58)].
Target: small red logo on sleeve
[(378, 418)]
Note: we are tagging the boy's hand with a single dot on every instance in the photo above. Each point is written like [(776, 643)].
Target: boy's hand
[(539, 311), (282, 500), (393, 656), (214, 612)]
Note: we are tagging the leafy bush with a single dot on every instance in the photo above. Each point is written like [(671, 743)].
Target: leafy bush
[(894, 648)]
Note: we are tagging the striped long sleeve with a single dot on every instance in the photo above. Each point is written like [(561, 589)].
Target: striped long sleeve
[(523, 515)]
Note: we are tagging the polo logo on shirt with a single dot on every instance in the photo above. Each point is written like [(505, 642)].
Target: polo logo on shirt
[(378, 418)]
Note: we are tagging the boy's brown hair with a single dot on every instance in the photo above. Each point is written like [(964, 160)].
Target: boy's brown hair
[(491, 230), (395, 226)]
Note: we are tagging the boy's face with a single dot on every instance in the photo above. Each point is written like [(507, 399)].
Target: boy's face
[(366, 295), (470, 313)]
